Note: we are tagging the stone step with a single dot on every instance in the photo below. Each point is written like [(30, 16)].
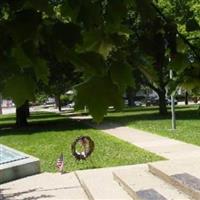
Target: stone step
[(99, 184), (183, 174), (140, 184), (53, 186)]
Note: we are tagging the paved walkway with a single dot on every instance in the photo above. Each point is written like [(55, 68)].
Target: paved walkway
[(163, 146)]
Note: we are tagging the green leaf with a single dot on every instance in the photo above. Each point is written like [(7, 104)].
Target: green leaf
[(124, 30), (42, 6), (173, 85), (105, 47), (179, 63), (69, 11), (21, 59), (89, 62), (95, 63), (130, 3), (191, 77), (97, 42), (67, 33), (115, 13), (120, 30), (25, 25), (181, 46), (192, 25), (20, 88), (149, 73), (146, 66), (90, 14), (39, 65), (41, 70), (121, 74), (98, 94), (191, 83), (145, 9)]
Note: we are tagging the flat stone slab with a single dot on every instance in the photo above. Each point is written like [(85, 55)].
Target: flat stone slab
[(183, 174), (141, 184), (188, 180), (99, 184), (52, 186), (15, 164), (150, 194), (172, 167)]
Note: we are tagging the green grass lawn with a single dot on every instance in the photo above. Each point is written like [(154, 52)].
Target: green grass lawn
[(148, 119), (49, 134)]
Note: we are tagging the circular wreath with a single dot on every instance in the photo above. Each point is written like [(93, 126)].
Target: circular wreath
[(82, 147)]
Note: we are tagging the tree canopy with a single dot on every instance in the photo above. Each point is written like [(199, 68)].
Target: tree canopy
[(93, 36)]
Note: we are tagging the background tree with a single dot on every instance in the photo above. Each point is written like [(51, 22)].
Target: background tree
[(149, 46), (187, 63), (158, 40), (62, 78)]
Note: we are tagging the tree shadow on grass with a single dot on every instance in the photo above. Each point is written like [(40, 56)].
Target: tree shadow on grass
[(125, 119), (34, 116), (42, 123), (145, 109)]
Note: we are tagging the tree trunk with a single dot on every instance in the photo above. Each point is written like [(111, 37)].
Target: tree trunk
[(58, 102), (1, 104), (195, 99), (27, 109), (162, 102), (186, 98), (130, 96), (22, 113)]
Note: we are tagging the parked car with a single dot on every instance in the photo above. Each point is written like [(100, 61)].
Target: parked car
[(70, 105), (154, 101), (134, 101), (168, 100), (49, 101)]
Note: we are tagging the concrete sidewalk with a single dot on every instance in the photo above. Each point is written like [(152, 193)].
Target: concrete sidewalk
[(163, 146)]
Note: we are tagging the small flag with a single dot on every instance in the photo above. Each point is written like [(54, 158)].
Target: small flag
[(60, 163)]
